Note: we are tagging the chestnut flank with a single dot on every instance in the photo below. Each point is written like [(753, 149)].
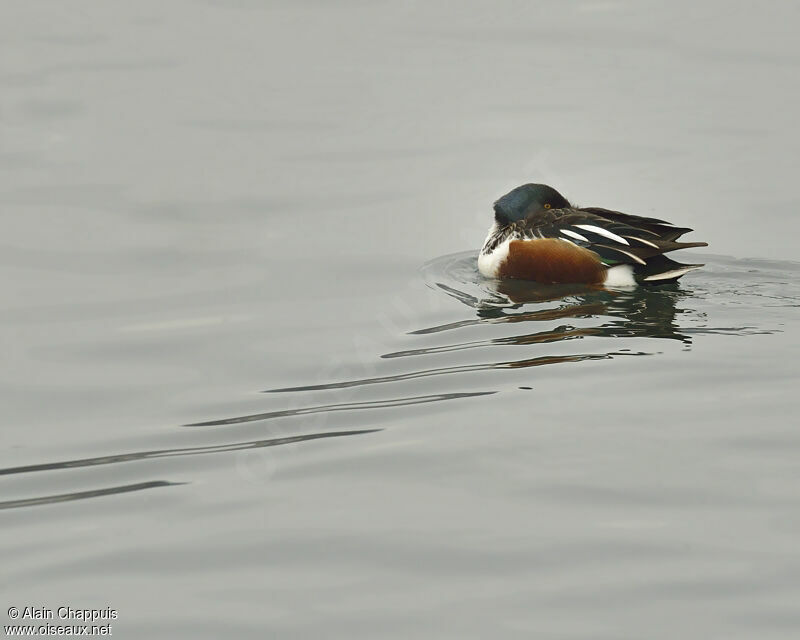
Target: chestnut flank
[(551, 260)]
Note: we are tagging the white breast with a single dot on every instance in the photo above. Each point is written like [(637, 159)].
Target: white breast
[(489, 261)]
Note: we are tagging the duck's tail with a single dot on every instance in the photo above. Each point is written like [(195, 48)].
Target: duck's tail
[(662, 270)]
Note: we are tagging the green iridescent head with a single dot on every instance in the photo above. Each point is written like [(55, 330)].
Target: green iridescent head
[(523, 201)]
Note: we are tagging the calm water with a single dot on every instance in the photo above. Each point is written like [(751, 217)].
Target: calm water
[(255, 387)]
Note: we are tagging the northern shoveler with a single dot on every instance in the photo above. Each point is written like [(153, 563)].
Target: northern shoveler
[(538, 235)]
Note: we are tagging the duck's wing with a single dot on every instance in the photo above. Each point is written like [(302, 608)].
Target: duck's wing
[(663, 229), (618, 238)]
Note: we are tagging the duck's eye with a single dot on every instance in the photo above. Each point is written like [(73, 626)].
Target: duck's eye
[(546, 206)]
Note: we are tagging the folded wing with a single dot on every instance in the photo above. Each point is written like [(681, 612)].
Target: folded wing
[(617, 238)]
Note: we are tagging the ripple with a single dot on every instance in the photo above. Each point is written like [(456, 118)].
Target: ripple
[(426, 373), (497, 326), (181, 451), (674, 312), (82, 495), (350, 406)]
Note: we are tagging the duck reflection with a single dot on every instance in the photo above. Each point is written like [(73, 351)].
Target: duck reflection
[(642, 312)]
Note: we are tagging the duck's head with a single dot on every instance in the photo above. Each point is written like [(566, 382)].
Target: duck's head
[(523, 201)]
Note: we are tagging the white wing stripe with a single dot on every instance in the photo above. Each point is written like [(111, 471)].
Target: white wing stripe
[(636, 258), (573, 234), (675, 273), (643, 241), (602, 232)]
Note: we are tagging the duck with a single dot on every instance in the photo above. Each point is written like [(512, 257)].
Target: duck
[(538, 235)]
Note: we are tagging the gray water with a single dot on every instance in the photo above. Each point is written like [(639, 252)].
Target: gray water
[(255, 387)]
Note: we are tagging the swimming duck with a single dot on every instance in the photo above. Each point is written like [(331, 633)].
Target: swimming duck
[(538, 235)]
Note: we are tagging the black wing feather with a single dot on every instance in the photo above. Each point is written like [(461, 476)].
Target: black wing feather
[(618, 238), (655, 226)]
